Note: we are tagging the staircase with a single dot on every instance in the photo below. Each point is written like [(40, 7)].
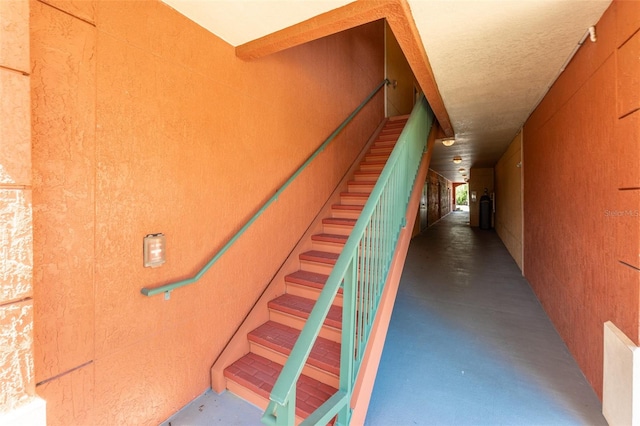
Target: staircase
[(253, 375)]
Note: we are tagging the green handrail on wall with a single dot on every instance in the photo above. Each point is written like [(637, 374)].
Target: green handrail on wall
[(168, 288), (361, 270)]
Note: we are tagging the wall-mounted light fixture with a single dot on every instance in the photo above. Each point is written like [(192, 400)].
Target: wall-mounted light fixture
[(448, 141), (457, 160), (154, 250)]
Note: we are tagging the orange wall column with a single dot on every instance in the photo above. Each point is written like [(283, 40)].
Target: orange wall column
[(63, 57), (18, 403)]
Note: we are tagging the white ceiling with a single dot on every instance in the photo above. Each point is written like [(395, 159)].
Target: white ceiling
[(493, 60)]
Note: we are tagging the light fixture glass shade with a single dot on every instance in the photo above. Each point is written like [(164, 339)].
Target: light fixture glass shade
[(448, 141), (457, 160), (461, 170)]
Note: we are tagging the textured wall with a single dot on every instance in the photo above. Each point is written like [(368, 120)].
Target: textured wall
[(143, 123), (508, 185), (581, 191), (16, 304)]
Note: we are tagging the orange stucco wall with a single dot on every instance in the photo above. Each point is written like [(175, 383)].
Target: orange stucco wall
[(143, 122), (581, 153), (17, 385)]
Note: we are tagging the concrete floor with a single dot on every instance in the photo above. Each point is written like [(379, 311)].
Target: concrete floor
[(468, 344)]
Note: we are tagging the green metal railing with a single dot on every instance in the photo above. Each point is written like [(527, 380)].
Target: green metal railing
[(168, 288), (361, 270)]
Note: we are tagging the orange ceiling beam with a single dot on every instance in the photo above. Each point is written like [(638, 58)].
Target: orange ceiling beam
[(398, 15)]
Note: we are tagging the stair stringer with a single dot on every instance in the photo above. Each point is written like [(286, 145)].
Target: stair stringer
[(369, 368), (238, 345)]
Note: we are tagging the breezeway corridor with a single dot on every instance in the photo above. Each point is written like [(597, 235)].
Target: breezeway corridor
[(468, 344)]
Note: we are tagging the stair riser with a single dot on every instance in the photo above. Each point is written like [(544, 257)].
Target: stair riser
[(355, 201), (388, 137), (376, 157), (327, 332), (367, 178), (308, 370), (345, 214), (310, 292), (385, 143), (317, 267), (327, 246), (244, 393), (361, 188), (367, 167), (382, 150), (390, 133), (336, 229)]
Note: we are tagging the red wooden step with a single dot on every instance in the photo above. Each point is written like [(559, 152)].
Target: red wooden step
[(325, 353), (401, 121), (396, 128), (372, 158), (385, 144), (310, 279), (258, 374), (360, 186), (366, 176), (339, 221), (379, 150), (368, 166), (349, 207), (330, 238), (320, 257), (301, 307)]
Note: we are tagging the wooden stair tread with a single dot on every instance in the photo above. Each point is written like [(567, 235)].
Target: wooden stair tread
[(301, 307), (320, 257), (308, 279), (338, 221), (373, 163), (367, 173), (360, 183), (325, 353), (311, 279), (354, 207), (259, 375), (330, 238)]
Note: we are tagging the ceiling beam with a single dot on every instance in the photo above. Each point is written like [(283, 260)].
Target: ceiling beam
[(360, 12)]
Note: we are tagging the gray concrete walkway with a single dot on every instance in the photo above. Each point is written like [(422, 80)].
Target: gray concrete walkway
[(468, 344)]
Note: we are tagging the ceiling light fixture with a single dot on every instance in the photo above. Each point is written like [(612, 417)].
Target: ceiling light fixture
[(457, 160), (448, 141), (461, 170)]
